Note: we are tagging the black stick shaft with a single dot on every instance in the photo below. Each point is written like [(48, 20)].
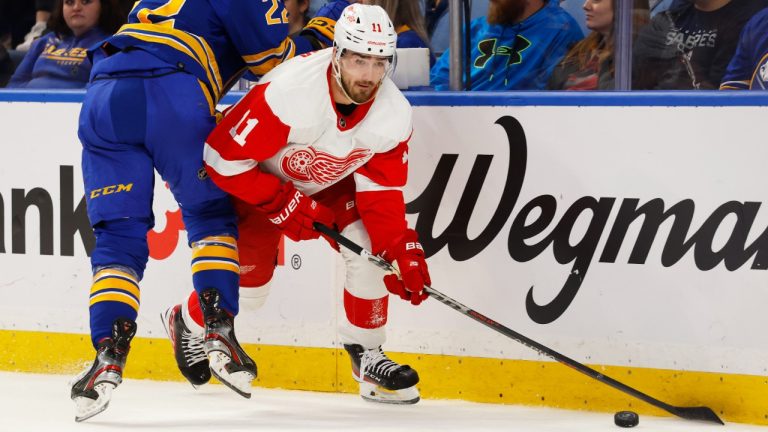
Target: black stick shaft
[(690, 413)]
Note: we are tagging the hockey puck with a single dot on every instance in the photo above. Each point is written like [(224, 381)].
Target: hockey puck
[(626, 419)]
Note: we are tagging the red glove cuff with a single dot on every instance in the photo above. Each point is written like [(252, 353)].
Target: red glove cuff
[(296, 213), (408, 254)]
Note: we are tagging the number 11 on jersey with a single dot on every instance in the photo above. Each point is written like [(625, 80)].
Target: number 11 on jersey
[(249, 125)]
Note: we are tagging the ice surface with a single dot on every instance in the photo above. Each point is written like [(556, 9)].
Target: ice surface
[(31, 402)]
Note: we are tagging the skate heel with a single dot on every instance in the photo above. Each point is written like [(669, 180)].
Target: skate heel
[(92, 388), (86, 407), (228, 362)]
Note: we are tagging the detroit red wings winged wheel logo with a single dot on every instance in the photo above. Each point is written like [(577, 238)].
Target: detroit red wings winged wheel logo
[(309, 165)]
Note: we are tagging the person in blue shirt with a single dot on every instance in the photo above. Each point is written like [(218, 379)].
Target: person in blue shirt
[(150, 105), (58, 59), (689, 46), (408, 20), (409, 23), (748, 68), (515, 47), (405, 15)]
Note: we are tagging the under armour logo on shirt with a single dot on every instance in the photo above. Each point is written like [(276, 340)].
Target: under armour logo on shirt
[(488, 49)]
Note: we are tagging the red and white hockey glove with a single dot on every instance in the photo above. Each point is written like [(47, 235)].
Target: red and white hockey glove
[(295, 213), (408, 256)]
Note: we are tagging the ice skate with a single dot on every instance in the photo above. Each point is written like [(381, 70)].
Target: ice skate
[(229, 363), (381, 379), (187, 348), (92, 388)]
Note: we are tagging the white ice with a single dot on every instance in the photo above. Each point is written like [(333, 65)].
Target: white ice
[(31, 402)]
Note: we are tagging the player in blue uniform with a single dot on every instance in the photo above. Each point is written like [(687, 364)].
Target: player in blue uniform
[(320, 27), (150, 105), (748, 69)]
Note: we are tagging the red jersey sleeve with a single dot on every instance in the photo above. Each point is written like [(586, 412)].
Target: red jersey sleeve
[(380, 199), (249, 133)]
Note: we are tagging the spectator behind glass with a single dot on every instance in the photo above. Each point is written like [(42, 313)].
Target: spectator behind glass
[(515, 47), (58, 59), (43, 10), (589, 64), (297, 14), (690, 45), (438, 21), (409, 23), (748, 69), (408, 20)]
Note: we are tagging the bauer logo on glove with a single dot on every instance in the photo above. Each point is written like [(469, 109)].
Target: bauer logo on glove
[(296, 215), (407, 256), (288, 208), (413, 245)]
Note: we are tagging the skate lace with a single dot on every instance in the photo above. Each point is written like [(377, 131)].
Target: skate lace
[(374, 361), (194, 352)]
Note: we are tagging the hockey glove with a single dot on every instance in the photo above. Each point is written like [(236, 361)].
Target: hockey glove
[(295, 213), (408, 256)]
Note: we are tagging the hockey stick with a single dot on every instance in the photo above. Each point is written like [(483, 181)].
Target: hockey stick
[(689, 413)]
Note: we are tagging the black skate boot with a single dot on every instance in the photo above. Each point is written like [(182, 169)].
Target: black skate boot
[(228, 361), (92, 388), (381, 379), (187, 348)]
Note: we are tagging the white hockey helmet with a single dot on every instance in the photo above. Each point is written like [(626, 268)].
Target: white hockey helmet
[(365, 29)]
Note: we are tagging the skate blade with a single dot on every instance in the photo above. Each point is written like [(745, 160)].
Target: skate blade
[(375, 393), (239, 382), (86, 408)]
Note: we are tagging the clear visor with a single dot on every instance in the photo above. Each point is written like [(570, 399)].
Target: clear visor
[(374, 67)]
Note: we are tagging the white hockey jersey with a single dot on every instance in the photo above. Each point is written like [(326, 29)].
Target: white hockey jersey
[(287, 128)]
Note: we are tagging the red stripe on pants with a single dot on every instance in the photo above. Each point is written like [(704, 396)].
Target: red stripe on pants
[(364, 313)]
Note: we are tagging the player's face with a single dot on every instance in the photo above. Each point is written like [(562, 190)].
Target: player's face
[(599, 14), (361, 74), (505, 11), (81, 15)]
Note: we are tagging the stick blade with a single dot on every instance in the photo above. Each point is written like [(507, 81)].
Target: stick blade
[(697, 413)]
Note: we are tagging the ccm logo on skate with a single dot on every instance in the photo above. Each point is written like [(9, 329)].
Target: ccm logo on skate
[(108, 190), (289, 209)]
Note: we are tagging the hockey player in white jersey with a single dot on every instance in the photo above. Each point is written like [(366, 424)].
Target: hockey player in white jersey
[(322, 138)]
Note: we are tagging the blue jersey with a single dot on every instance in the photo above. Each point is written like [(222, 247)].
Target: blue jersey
[(321, 26), (515, 57), (749, 67), (214, 40), (57, 62)]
